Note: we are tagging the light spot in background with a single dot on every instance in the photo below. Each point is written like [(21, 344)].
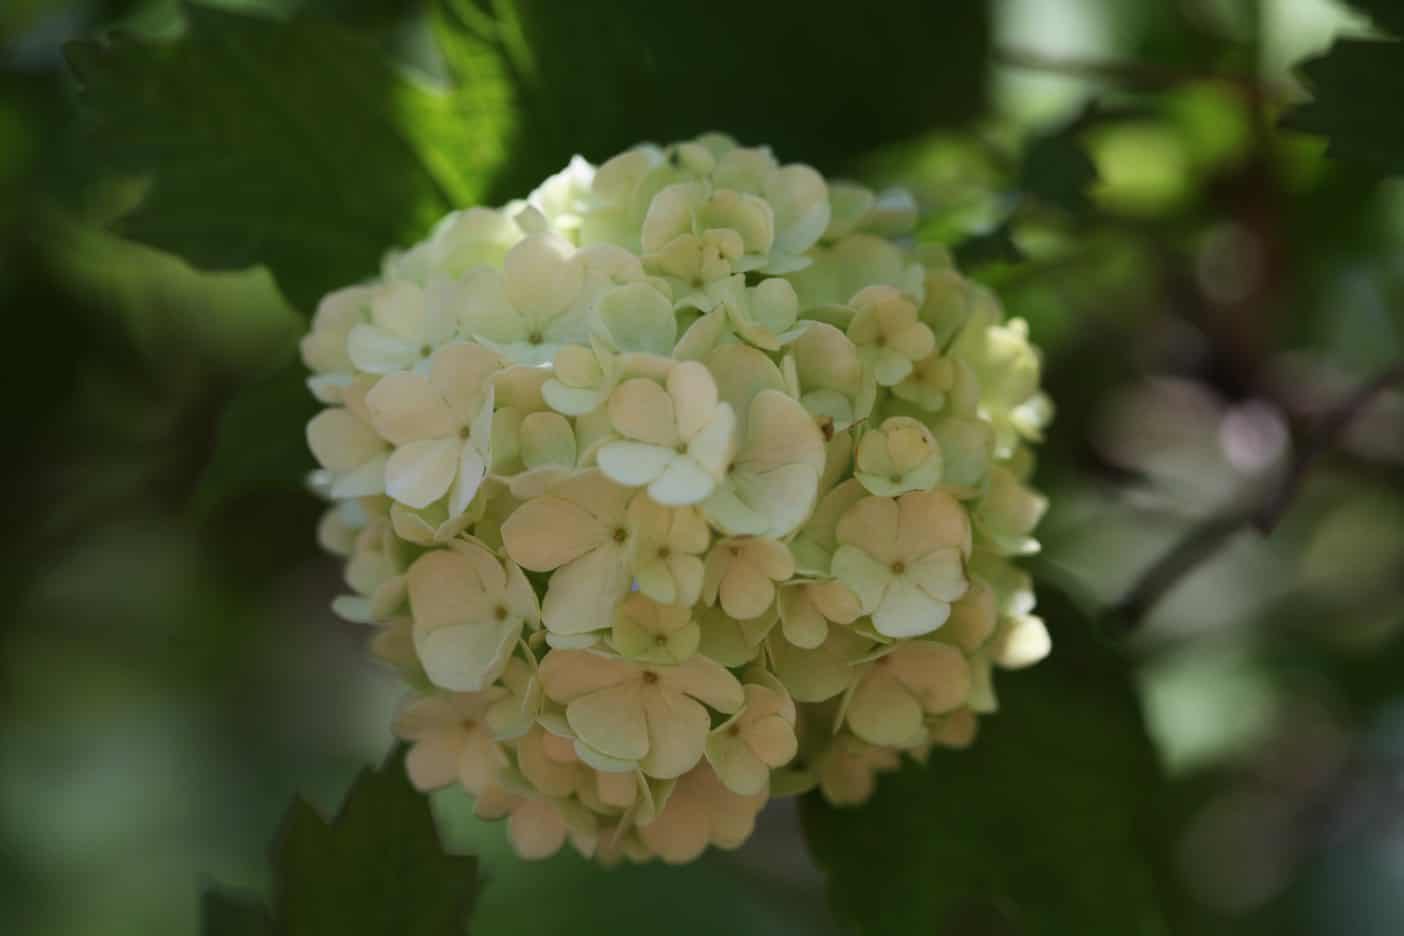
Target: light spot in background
[(1253, 436)]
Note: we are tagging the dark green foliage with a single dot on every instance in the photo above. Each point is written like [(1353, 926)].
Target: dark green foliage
[(1356, 89), (1045, 827), (290, 144), (376, 869), (820, 85), (261, 438), (224, 914)]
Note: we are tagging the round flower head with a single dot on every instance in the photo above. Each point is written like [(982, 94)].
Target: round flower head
[(681, 483)]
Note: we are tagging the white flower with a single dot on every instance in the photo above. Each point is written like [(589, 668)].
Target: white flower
[(904, 684), (667, 547), (742, 574), (807, 608), (765, 315), (904, 559), (649, 714), (450, 740), (826, 373), (900, 457), (441, 425), (650, 632), (855, 208), (761, 737), (347, 446), (542, 298), (676, 441), (848, 769), (579, 531), (469, 612), (462, 241), (407, 325), (1007, 514), (324, 347), (593, 452), (771, 486), (889, 336), (701, 811)]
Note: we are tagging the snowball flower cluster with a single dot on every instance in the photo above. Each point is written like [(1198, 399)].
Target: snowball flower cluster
[(686, 482)]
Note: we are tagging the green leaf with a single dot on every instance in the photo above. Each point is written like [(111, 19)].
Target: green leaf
[(1056, 167), (224, 914), (292, 144), (820, 85), (1044, 827), (1356, 87), (376, 869), (260, 440), (1386, 14)]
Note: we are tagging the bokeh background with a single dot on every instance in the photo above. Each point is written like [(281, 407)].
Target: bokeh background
[(1205, 283)]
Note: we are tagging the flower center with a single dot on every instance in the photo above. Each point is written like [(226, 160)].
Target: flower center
[(650, 677), (500, 612), (734, 730), (469, 726), (426, 350), (535, 338), (899, 567), (620, 534), (664, 552)]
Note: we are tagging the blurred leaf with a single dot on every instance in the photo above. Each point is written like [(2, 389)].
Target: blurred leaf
[(1044, 827), (1386, 14), (377, 869), (994, 247), (260, 439), (226, 915), (1355, 86), (819, 84), (1057, 169), (291, 144)]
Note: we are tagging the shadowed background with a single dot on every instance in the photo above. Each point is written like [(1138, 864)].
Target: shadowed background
[(1206, 281)]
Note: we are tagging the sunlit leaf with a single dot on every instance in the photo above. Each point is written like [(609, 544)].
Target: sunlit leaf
[(292, 144)]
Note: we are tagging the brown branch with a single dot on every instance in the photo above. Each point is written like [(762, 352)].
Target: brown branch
[(1207, 538)]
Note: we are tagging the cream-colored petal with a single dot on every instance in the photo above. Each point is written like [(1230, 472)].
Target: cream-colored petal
[(406, 407), (677, 733), (568, 674), (539, 278), (682, 483), (536, 830), (634, 464), (706, 681), (421, 472), (871, 525), (340, 441), (940, 574), (643, 411), (547, 532), (694, 395), (611, 721), (907, 611), (929, 520), (882, 712)]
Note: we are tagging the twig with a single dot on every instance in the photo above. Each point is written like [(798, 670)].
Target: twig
[(1145, 76), (1207, 538)]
